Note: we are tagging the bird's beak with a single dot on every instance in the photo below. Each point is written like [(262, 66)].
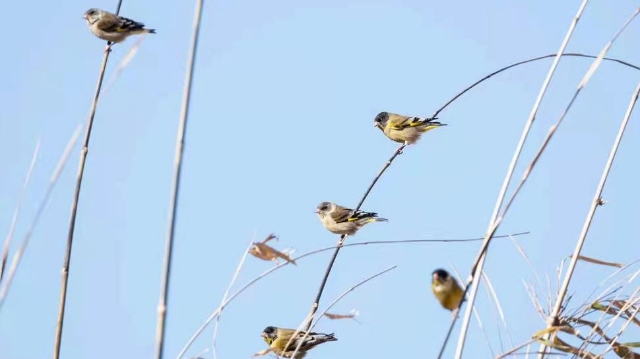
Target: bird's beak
[(264, 335), (316, 211), (435, 278), (375, 124)]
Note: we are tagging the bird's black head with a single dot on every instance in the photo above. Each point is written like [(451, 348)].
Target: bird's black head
[(381, 119), (269, 332), (440, 275)]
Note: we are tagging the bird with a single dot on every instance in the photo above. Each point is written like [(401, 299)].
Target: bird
[(341, 220), (277, 339), (446, 289), (404, 129), (112, 27)]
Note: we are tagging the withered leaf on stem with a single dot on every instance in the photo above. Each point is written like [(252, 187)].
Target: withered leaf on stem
[(352, 315), (265, 252)]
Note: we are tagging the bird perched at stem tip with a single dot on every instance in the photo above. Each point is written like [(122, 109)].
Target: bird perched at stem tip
[(446, 289), (404, 129), (112, 27), (277, 339), (341, 220)]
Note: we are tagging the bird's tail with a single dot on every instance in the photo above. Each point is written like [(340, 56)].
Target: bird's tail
[(323, 338), (366, 217), (425, 124), (151, 31)]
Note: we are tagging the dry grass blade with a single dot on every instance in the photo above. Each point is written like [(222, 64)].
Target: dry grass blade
[(525, 257), (125, 61), (597, 261), (16, 212), (494, 223), (605, 174), (515, 349), (631, 318), (36, 219), (475, 313), (175, 186), (494, 297), (265, 252), (225, 296)]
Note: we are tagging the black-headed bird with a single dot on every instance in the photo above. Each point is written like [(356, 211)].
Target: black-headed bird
[(446, 289), (112, 27), (277, 339), (342, 220), (404, 129)]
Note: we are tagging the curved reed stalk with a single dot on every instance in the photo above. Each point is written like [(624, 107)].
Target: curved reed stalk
[(175, 188)]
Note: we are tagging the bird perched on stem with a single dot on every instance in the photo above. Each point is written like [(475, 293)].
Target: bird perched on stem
[(404, 129), (446, 289), (342, 220), (112, 27), (277, 338)]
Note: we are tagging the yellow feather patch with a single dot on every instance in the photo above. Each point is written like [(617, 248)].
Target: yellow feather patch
[(429, 128)]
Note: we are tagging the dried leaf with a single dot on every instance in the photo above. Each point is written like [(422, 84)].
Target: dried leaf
[(265, 252), (352, 315), (597, 261)]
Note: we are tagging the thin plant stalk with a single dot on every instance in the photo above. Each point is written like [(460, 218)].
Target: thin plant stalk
[(310, 327), (323, 283), (226, 295), (553, 317), (76, 198), (474, 279), (175, 189), (17, 257), (16, 212)]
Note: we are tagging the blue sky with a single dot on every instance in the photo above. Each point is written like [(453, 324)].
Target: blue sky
[(283, 103)]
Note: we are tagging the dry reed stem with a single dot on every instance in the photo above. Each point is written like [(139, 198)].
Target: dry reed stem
[(16, 211), (17, 257), (76, 198), (595, 203), (475, 313), (515, 349), (226, 295), (215, 313), (493, 224), (175, 188)]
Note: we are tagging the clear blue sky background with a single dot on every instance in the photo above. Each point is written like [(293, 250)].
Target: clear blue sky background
[(283, 103)]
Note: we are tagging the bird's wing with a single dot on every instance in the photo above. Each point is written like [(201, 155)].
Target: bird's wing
[(398, 122), (341, 214), (122, 24), (108, 22), (358, 215)]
